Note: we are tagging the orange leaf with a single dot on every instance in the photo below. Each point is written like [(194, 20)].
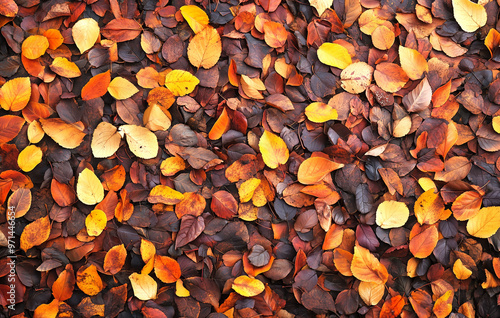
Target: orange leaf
[(275, 34), (88, 280), (68, 136), (429, 207), (35, 233), (314, 169), (10, 126), (172, 165), (423, 243), (192, 203), (8, 8), (47, 310), (20, 200), (221, 126), (164, 194), (35, 46), (333, 237), (390, 77), (366, 267), (115, 259), (62, 288), (167, 269), (248, 287), (55, 38), (393, 307), (441, 95), (97, 86), (161, 96), (460, 271), (467, 205), (273, 149), (413, 63), (443, 306), (15, 94), (383, 37)]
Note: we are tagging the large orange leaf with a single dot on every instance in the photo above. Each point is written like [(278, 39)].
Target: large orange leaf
[(205, 48), (88, 280), (467, 205), (167, 269), (275, 34), (49, 310), (390, 77), (35, 233), (423, 243), (62, 288), (15, 94), (314, 169), (10, 126), (8, 8), (429, 207), (193, 203), (393, 307), (273, 149), (443, 306), (35, 46), (97, 86), (366, 267), (115, 259)]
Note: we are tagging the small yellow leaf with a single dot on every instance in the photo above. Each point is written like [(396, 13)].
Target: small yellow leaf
[(141, 141), (180, 82), (319, 112), (35, 132), (172, 165), (95, 222), (180, 290), (121, 88), (248, 287), (460, 271), (334, 54), (164, 194), (273, 149), (85, 33), (392, 214), (35, 46), (29, 158), (89, 281), (65, 68), (247, 189), (195, 17), (89, 188), (144, 286)]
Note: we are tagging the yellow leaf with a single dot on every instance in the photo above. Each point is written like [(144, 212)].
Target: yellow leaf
[(66, 135), (105, 140), (29, 158), (141, 141), (427, 184), (121, 88), (413, 63), (460, 271), (334, 54), (95, 222), (89, 188), (273, 149), (35, 132), (148, 250), (485, 223), (205, 48), (195, 17), (35, 46), (321, 5), (172, 165), (496, 124), (392, 214), (469, 15), (15, 94), (157, 118), (35, 233), (180, 290), (443, 305), (367, 268), (248, 287), (65, 68), (356, 77), (85, 33), (164, 194), (319, 112), (371, 293), (89, 281), (247, 189), (144, 286), (429, 207), (180, 82)]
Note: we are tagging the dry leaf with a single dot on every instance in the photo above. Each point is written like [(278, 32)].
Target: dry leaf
[(121, 88), (335, 55), (195, 17), (469, 15), (15, 94), (205, 48), (141, 141), (105, 140), (180, 82), (273, 149), (85, 33), (247, 286), (89, 188), (392, 214), (29, 158)]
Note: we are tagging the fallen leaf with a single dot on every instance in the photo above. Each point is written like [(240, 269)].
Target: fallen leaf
[(247, 286), (89, 188), (273, 149), (85, 33), (205, 48), (335, 55)]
